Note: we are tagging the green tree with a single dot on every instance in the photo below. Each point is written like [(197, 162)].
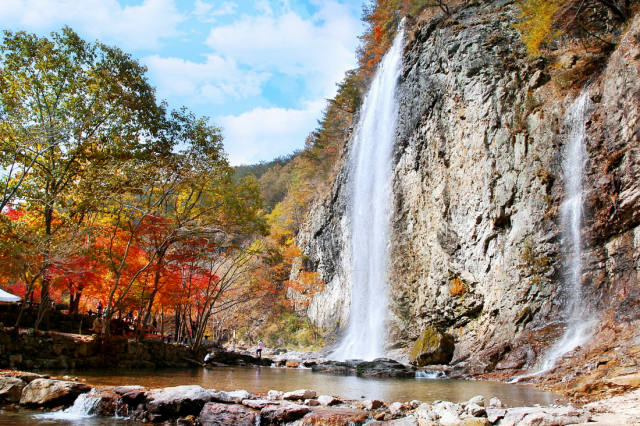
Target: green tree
[(69, 111)]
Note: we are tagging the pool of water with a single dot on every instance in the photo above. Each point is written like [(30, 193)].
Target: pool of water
[(263, 379)]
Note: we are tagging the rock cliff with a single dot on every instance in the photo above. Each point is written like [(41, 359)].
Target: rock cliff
[(476, 244)]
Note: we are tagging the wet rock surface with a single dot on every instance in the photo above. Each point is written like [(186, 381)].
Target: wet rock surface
[(380, 367)]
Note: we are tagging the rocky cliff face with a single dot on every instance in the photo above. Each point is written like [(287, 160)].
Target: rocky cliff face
[(476, 247)]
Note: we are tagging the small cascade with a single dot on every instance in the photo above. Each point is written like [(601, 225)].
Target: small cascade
[(578, 319), (84, 406), (370, 165), (430, 374)]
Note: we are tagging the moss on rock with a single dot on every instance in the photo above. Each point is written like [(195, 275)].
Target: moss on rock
[(433, 347)]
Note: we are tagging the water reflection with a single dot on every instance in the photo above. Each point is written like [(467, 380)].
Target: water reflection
[(261, 380)]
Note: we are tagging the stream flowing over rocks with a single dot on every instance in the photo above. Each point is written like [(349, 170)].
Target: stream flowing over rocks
[(476, 274), (194, 405)]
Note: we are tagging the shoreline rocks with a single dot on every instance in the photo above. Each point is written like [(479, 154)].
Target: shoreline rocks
[(193, 405)]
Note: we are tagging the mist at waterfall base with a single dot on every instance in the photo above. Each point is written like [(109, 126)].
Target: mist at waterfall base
[(370, 195), (579, 320)]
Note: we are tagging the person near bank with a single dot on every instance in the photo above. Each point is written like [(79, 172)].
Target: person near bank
[(259, 350)]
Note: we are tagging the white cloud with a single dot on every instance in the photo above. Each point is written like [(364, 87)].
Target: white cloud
[(206, 12), (266, 133), (319, 49), (212, 81), (130, 27)]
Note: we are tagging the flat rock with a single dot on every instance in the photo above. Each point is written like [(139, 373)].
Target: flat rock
[(326, 416), (178, 401), (236, 396), (11, 389), (299, 394), (283, 413), (257, 404), (51, 393), (216, 414), (493, 414)]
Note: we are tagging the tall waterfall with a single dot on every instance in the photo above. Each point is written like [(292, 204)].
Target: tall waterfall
[(574, 160), (370, 193)]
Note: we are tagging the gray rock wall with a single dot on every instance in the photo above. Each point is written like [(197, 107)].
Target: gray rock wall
[(476, 240)]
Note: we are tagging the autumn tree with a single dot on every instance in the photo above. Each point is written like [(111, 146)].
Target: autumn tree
[(545, 20)]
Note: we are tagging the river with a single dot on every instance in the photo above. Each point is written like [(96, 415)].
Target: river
[(261, 380)]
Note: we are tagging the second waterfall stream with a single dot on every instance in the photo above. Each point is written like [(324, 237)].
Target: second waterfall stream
[(370, 165)]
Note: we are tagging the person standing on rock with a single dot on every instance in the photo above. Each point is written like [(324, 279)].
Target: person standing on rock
[(259, 350), (99, 326)]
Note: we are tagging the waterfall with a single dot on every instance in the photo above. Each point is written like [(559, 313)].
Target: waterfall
[(578, 319), (84, 406), (370, 165)]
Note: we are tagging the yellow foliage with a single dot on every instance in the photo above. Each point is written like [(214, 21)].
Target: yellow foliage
[(537, 26)]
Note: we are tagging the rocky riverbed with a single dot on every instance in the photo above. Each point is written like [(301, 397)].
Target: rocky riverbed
[(194, 405)]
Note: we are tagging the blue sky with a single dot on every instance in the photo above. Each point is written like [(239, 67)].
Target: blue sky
[(260, 69)]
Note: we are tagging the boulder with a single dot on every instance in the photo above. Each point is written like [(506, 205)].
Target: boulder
[(282, 413), (311, 402), (478, 399), (476, 411), (373, 404), (327, 400), (398, 408), (52, 393), (328, 416), (216, 414), (11, 389), (299, 394), (177, 401), (433, 347), (257, 404)]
